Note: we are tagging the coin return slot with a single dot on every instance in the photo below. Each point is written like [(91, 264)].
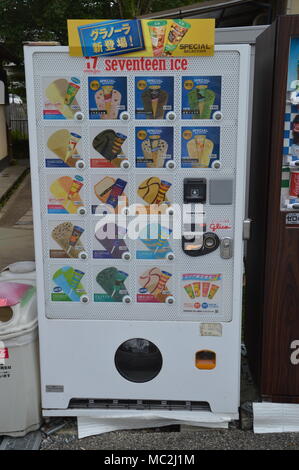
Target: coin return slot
[(205, 359)]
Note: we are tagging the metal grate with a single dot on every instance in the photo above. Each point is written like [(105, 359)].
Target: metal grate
[(119, 404)]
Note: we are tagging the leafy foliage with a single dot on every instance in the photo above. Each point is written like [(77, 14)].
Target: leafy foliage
[(45, 20)]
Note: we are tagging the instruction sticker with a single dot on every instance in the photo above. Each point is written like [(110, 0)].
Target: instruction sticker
[(153, 146), (107, 97), (61, 97), (153, 97), (200, 146), (201, 96), (201, 293)]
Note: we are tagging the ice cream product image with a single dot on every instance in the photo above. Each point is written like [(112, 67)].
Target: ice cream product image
[(71, 148), (67, 237), (60, 98), (109, 144), (154, 97), (205, 288), (112, 282), (68, 286), (155, 239), (201, 96), (196, 288), (178, 30), (110, 191), (200, 146), (64, 145), (188, 288), (157, 30), (213, 290), (71, 91), (107, 97), (154, 285), (153, 146), (64, 197), (154, 191), (110, 242)]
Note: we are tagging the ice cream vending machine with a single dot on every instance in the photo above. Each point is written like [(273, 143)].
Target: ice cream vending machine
[(272, 321), (138, 172)]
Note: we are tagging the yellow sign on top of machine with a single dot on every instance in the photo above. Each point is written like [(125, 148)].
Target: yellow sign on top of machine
[(142, 38)]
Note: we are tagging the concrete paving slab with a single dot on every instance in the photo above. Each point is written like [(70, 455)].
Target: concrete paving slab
[(15, 245), (10, 175)]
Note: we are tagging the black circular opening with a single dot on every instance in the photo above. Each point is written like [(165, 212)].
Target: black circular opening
[(138, 360)]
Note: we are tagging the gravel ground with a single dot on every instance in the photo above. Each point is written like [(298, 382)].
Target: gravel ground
[(231, 439)]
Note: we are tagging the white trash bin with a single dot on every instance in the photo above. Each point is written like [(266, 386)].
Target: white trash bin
[(20, 409)]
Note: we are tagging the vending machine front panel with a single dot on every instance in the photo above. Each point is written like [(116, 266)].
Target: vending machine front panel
[(138, 318)]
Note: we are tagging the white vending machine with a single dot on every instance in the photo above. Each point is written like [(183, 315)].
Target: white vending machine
[(138, 309)]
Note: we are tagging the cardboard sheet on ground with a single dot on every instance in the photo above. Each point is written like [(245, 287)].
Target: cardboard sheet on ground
[(114, 420)]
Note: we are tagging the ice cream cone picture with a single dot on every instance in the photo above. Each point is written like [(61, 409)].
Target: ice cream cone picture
[(66, 191), (64, 144), (200, 149), (100, 103), (154, 151), (107, 90), (157, 30), (62, 95), (204, 160), (154, 100), (107, 97), (154, 92), (201, 101), (178, 30), (108, 102), (200, 146)]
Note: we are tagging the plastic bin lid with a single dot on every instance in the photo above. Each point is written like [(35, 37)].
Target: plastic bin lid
[(12, 293), (21, 267)]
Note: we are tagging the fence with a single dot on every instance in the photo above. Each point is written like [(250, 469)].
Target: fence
[(17, 116)]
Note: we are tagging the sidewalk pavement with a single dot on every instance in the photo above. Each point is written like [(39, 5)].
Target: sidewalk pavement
[(10, 175), (16, 226)]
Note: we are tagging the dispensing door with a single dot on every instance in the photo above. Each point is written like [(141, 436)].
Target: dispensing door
[(154, 316)]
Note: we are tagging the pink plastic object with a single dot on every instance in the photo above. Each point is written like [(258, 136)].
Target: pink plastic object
[(11, 293)]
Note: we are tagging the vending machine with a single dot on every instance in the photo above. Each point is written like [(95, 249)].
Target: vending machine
[(272, 320), (145, 315)]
